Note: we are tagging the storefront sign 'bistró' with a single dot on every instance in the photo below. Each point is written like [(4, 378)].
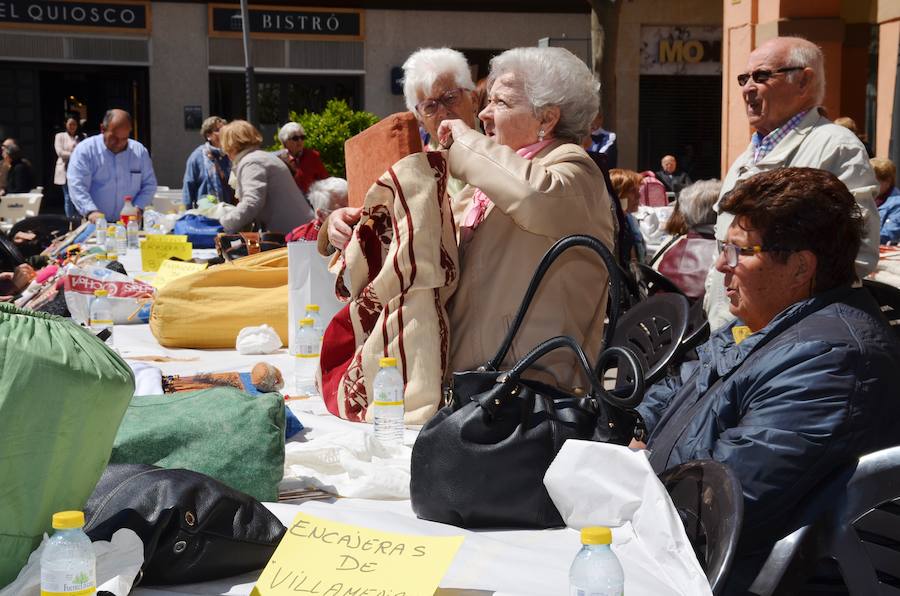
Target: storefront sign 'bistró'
[(279, 21), (75, 15)]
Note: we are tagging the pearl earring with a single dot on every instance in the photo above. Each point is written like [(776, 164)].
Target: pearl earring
[(541, 135)]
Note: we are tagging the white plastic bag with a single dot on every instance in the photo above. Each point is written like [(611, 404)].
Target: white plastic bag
[(309, 282), (126, 295), (257, 340), (623, 492)]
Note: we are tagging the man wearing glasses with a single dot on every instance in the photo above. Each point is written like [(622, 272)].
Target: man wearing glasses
[(804, 382), (305, 164), (782, 87)]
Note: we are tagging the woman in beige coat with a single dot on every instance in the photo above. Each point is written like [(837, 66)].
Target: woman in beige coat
[(64, 144), (529, 184)]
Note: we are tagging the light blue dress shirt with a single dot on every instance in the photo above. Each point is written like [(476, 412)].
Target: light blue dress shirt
[(99, 180)]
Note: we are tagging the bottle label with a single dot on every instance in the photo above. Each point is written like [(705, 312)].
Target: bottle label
[(576, 591), (68, 583), (98, 322)]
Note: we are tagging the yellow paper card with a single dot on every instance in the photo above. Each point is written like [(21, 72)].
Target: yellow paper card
[(155, 251), (170, 270), (327, 558)]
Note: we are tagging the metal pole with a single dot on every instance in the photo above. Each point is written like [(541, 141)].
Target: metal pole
[(249, 79)]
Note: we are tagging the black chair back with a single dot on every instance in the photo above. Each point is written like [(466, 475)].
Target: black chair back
[(851, 548), (709, 500)]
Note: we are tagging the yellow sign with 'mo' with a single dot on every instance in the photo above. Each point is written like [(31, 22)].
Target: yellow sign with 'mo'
[(326, 558)]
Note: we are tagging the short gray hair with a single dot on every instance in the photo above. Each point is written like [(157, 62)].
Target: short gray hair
[(696, 202), (289, 130), (553, 77), (425, 66), (328, 194), (210, 125), (806, 54)]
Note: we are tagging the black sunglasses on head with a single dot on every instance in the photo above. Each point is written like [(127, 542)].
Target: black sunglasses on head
[(762, 75), (297, 138)]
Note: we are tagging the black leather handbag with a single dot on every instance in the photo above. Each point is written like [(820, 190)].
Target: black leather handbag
[(480, 461), (194, 528)]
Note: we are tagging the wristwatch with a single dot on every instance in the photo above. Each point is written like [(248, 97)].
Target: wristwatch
[(640, 430)]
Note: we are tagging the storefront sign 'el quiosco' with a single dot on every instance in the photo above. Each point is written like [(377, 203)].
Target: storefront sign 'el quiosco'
[(287, 22), (131, 16)]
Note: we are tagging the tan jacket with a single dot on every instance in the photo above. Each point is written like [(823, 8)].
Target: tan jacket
[(558, 193)]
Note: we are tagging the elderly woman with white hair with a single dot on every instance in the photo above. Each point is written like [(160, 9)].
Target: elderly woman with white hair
[(687, 258), (324, 196), (529, 183), (304, 163)]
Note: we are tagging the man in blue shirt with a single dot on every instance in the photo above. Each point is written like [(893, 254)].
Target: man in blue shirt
[(107, 167)]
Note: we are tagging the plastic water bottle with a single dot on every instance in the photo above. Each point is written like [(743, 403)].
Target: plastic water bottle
[(100, 227), (131, 231), (68, 563), (111, 247), (129, 211), (121, 239), (596, 571), (312, 312), (306, 361), (387, 407), (101, 315)]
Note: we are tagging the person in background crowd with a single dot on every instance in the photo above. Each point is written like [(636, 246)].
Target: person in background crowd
[(4, 167), (782, 85), (64, 144), (686, 260), (325, 196), (850, 124), (603, 142), (652, 191), (670, 176), (530, 183), (107, 167), (208, 168), (626, 184), (268, 196), (305, 164), (888, 199), (437, 86), (20, 176), (804, 382)]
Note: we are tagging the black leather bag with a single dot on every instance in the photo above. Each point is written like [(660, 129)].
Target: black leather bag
[(480, 462), (194, 528)]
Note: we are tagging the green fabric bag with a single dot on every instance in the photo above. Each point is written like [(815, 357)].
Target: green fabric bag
[(62, 396), (222, 432)]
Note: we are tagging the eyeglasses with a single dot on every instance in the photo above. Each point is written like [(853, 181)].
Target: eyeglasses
[(733, 251), (297, 138), (761, 75), (429, 107)]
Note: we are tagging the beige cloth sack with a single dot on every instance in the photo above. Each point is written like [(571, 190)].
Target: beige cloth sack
[(402, 267)]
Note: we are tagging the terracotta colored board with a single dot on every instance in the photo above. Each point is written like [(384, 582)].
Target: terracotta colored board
[(370, 153)]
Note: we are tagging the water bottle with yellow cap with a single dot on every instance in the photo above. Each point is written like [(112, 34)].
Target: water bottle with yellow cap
[(101, 316), (596, 571), (306, 360), (68, 562), (387, 407)]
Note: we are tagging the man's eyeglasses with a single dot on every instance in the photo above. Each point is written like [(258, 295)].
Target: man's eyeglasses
[(733, 251), (762, 75), (429, 107), (296, 138)]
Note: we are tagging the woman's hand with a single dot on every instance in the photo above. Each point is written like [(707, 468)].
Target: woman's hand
[(340, 226), (449, 129)]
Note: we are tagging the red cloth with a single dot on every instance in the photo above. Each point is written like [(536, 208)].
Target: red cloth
[(307, 169), (308, 231)]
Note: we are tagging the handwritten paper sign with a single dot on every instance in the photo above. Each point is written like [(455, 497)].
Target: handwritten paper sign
[(327, 558), (158, 247), (170, 270)]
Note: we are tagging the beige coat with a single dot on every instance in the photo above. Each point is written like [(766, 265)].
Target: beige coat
[(558, 193), (64, 144)]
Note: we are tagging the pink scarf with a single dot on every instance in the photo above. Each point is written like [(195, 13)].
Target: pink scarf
[(480, 201)]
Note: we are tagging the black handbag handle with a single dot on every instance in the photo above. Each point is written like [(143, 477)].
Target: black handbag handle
[(613, 301), (624, 356)]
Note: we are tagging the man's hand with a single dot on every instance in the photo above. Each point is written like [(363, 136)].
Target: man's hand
[(340, 226), (93, 216), (635, 444)]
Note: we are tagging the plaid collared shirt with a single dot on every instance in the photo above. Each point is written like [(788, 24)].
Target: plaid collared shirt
[(763, 146)]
